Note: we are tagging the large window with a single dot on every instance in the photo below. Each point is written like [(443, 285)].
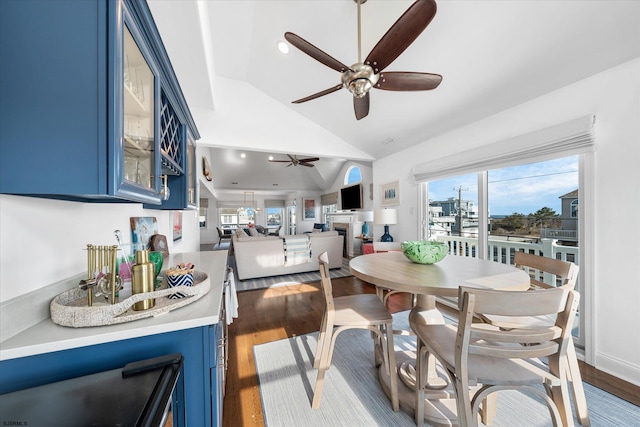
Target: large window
[(233, 217), (274, 217), (529, 190), (530, 208)]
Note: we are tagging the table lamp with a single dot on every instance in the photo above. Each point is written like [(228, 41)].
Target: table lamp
[(366, 216), (385, 217)]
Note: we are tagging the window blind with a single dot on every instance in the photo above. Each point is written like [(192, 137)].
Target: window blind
[(229, 204), (566, 139), (329, 199), (273, 204)]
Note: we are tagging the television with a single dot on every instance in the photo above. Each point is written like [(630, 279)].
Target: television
[(351, 197)]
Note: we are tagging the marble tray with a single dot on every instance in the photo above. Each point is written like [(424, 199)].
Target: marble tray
[(70, 307)]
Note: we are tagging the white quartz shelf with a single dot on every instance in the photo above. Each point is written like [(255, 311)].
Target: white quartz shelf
[(46, 336)]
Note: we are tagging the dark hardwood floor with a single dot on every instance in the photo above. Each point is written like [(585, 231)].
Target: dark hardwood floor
[(274, 314)]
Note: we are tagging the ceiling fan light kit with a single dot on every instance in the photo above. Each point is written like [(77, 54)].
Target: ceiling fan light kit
[(361, 77)]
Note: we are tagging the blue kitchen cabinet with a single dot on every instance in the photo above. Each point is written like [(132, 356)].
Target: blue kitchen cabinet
[(91, 108), (198, 397)]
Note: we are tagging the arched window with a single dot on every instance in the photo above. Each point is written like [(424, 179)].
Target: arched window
[(353, 175)]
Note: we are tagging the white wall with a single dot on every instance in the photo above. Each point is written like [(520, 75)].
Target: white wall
[(42, 241), (614, 97)]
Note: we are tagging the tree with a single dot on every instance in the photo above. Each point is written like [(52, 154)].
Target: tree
[(543, 216), (513, 222)]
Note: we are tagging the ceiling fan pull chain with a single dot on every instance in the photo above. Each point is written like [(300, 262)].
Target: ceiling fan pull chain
[(359, 34)]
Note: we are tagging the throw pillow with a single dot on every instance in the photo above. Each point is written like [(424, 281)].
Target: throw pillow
[(241, 233), (253, 232)]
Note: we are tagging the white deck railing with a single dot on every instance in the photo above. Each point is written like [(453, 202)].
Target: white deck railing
[(503, 251)]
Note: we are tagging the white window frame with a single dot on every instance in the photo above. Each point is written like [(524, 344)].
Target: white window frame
[(571, 138)]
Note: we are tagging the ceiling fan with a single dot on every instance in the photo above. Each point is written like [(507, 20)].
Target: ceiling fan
[(295, 161), (361, 77)]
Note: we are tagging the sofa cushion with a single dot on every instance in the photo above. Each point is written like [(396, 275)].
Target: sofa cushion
[(325, 234)]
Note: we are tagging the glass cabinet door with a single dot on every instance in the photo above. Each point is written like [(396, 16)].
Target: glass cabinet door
[(139, 116)]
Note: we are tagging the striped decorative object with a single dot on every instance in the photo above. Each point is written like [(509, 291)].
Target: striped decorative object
[(179, 278)]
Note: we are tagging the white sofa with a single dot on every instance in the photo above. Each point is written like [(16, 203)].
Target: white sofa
[(264, 256)]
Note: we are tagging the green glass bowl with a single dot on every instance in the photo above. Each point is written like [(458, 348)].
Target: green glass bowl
[(424, 251)]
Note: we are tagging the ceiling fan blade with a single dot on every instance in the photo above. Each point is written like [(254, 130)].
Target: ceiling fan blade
[(407, 81), (309, 165), (318, 95), (401, 34), (361, 106), (309, 159), (291, 158), (315, 53)]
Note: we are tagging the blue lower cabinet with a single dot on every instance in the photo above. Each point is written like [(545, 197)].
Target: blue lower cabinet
[(195, 403)]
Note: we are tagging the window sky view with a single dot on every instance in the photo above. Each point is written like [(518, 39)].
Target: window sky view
[(523, 189)]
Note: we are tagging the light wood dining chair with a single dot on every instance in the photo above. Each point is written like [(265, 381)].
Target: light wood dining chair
[(390, 247), (481, 359), (362, 311), (558, 273)]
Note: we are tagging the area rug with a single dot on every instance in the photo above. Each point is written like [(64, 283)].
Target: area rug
[(291, 279), (353, 396)]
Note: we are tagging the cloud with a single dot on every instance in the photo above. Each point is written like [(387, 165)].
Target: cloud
[(523, 189)]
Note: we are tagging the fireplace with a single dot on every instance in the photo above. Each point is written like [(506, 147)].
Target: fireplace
[(344, 233), (348, 226)]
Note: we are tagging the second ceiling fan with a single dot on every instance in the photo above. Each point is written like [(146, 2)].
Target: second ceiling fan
[(295, 161), (361, 77)]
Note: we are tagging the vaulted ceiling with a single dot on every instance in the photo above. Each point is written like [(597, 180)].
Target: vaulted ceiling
[(492, 55)]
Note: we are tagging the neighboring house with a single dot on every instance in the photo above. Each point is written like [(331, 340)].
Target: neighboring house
[(568, 231), (447, 214), (569, 213)]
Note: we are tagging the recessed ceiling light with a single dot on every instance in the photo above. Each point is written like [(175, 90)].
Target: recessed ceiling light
[(283, 47), (243, 155), (270, 157)]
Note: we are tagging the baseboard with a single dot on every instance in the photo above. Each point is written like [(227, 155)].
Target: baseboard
[(618, 368)]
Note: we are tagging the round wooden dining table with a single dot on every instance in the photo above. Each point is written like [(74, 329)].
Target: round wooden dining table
[(392, 270)]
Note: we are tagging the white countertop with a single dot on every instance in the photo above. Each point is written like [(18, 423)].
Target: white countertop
[(46, 336)]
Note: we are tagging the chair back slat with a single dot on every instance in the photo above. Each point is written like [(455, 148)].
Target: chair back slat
[(527, 342), (566, 273), (518, 335), (517, 303), (514, 352)]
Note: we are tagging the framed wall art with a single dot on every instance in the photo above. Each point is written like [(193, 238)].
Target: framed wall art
[(142, 228), (309, 206), (390, 194)]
